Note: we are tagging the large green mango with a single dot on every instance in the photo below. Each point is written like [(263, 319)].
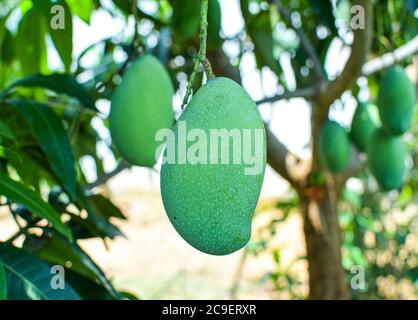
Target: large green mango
[(334, 147), (396, 101), (141, 105), (211, 202), (365, 122), (386, 156)]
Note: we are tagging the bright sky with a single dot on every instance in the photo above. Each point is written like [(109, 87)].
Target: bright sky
[(290, 120)]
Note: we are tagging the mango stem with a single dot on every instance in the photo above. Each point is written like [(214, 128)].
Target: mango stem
[(201, 56)]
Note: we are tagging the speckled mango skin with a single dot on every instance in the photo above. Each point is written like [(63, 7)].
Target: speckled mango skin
[(365, 122), (141, 105), (211, 205), (396, 101), (334, 147), (386, 156)]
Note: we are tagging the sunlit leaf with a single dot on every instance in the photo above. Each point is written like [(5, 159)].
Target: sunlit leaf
[(53, 140), (30, 42), (59, 83), (62, 32), (7, 153), (82, 9)]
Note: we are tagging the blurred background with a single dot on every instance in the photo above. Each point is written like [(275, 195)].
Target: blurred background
[(143, 254)]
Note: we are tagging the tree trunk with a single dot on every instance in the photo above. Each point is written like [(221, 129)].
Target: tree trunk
[(323, 245)]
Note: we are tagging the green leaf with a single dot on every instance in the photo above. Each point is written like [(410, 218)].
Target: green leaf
[(260, 30), (30, 42), (53, 140), (18, 193), (324, 12), (185, 20), (29, 278), (277, 256), (59, 83), (124, 5), (6, 132), (3, 282), (129, 296), (7, 49), (57, 250), (105, 207), (87, 289), (95, 221), (7, 153), (62, 35), (82, 9), (33, 168)]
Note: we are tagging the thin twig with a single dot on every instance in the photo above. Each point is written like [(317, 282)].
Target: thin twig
[(201, 55), (304, 41), (389, 59), (107, 176), (306, 93), (135, 41)]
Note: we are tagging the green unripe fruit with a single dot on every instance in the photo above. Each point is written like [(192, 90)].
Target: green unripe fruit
[(334, 147), (141, 105), (386, 156), (396, 101), (365, 122), (211, 203)]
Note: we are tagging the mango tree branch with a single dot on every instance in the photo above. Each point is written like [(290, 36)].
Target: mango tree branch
[(305, 93), (277, 154), (107, 176), (389, 59), (304, 41), (359, 50), (201, 55)]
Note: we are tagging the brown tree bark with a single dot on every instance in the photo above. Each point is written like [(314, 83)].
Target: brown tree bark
[(323, 247), (319, 204)]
